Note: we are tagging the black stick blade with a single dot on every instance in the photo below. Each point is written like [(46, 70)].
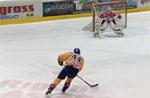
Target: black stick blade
[(94, 85)]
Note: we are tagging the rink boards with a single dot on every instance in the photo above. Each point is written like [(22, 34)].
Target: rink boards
[(39, 19)]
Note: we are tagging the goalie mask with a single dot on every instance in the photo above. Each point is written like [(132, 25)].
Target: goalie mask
[(108, 10)]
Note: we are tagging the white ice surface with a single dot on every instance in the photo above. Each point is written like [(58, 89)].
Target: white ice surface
[(28, 59)]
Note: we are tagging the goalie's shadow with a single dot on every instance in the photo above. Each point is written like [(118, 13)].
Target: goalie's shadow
[(110, 34), (129, 32)]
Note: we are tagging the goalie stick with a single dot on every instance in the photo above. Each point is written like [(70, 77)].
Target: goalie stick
[(94, 85)]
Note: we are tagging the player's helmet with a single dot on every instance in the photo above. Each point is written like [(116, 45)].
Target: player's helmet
[(76, 51), (108, 9)]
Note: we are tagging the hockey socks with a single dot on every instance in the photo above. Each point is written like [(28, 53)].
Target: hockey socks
[(66, 86), (50, 89)]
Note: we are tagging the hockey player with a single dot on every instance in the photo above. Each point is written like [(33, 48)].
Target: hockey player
[(73, 63), (108, 17)]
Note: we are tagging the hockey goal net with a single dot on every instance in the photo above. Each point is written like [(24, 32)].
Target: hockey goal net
[(119, 7)]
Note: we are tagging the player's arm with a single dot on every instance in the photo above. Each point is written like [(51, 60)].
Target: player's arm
[(119, 16), (101, 16), (63, 57), (60, 60), (112, 16), (116, 15), (81, 64)]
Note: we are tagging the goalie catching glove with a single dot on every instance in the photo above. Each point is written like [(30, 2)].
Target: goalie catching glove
[(119, 16)]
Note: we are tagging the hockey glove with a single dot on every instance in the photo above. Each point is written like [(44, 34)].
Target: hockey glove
[(119, 17), (60, 63)]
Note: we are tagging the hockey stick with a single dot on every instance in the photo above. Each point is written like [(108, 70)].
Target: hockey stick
[(94, 85)]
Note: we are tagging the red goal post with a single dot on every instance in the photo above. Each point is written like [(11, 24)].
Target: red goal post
[(120, 7)]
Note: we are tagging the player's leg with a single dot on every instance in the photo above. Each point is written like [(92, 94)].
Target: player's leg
[(102, 23), (59, 78), (116, 29), (114, 21), (53, 85), (67, 84), (100, 28), (71, 75), (96, 32)]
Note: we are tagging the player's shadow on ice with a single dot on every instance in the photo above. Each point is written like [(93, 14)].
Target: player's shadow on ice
[(129, 32)]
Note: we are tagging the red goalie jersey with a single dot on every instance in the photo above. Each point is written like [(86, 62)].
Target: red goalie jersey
[(107, 15)]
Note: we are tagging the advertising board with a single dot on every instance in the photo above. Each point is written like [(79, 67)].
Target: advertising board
[(57, 8), (16, 9)]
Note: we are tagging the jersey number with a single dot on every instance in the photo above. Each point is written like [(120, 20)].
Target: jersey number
[(78, 58)]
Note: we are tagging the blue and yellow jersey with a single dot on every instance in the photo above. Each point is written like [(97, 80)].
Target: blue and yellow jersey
[(72, 59)]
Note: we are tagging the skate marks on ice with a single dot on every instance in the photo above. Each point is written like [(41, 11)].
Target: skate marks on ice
[(23, 89)]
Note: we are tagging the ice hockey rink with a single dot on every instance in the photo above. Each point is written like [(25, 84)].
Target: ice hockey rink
[(121, 65)]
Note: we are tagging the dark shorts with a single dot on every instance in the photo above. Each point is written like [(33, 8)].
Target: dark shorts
[(68, 71)]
